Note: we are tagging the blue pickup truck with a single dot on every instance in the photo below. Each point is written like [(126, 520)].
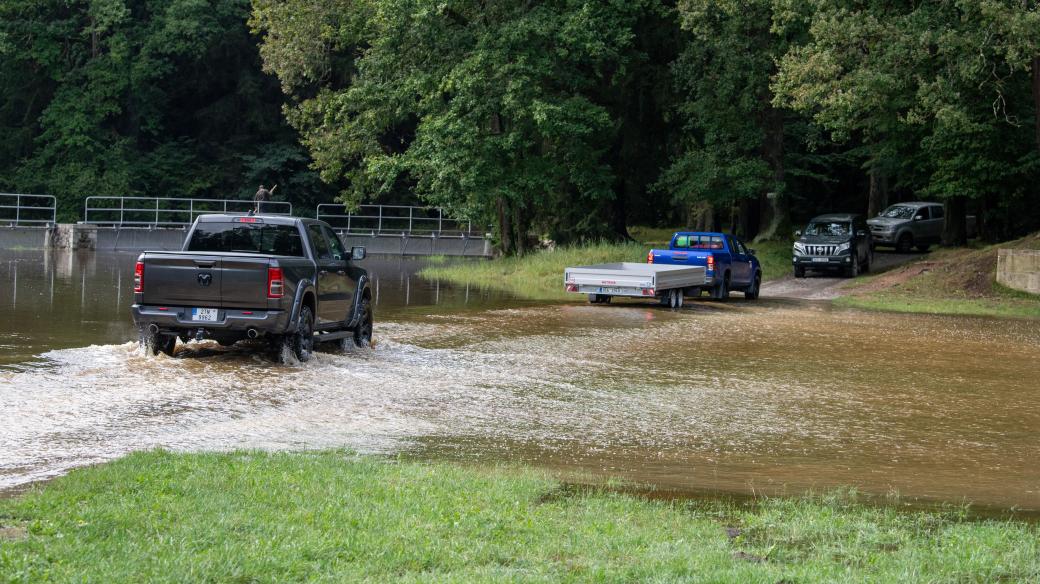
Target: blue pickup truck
[(730, 264)]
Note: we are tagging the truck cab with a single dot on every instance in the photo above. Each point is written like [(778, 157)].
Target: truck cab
[(729, 264)]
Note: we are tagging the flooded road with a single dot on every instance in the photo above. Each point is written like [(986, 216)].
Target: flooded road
[(770, 397)]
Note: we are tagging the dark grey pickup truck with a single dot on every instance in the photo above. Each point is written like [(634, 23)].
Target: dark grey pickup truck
[(284, 280)]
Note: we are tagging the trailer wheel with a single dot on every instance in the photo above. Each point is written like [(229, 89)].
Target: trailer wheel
[(679, 297)]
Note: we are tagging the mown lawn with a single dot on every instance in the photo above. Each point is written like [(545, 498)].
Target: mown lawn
[(539, 275), (334, 517)]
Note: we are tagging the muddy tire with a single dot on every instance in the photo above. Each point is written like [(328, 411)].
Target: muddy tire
[(300, 343), (799, 271), (905, 243), (155, 344), (721, 291), (363, 331), (751, 293), (853, 270), (870, 261)]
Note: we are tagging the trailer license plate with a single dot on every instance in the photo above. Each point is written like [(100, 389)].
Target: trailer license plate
[(206, 314), (609, 290)]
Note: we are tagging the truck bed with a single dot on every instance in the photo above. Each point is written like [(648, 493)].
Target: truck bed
[(631, 279)]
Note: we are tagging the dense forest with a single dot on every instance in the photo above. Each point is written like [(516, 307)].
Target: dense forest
[(562, 119)]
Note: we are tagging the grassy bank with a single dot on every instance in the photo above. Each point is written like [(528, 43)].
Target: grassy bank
[(947, 281), (252, 517), (539, 275)]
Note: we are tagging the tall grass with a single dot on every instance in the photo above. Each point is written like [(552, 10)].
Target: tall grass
[(539, 275), (332, 517)]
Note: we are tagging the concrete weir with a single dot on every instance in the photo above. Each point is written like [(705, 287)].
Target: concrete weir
[(1019, 269), (79, 236)]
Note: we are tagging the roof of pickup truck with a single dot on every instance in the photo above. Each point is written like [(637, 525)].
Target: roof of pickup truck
[(272, 219)]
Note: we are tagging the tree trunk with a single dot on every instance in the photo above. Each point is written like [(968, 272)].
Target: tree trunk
[(505, 228), (744, 223), (1036, 98), (955, 228), (877, 199), (772, 204), (702, 217)]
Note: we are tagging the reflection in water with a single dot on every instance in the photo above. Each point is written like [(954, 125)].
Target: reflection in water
[(767, 397)]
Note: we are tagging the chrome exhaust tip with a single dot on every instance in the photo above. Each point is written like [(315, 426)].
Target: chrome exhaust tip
[(153, 328), (252, 333)]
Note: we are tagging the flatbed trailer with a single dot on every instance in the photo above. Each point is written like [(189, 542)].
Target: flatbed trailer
[(666, 283)]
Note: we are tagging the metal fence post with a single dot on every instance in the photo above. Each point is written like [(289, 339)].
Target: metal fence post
[(440, 221), (17, 209), (156, 211), (380, 228), (122, 202)]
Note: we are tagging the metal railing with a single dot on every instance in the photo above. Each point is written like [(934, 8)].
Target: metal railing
[(32, 210), (396, 220), (168, 211)]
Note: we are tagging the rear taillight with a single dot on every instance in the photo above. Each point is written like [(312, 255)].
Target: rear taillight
[(650, 257), (572, 287), (275, 284), (711, 263), (139, 277)]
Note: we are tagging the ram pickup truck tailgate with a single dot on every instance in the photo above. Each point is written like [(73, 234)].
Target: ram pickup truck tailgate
[(205, 280)]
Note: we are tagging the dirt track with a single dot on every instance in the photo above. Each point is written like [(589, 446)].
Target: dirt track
[(827, 285)]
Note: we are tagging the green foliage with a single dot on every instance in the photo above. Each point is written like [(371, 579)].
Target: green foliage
[(497, 113), (256, 517), (108, 97)]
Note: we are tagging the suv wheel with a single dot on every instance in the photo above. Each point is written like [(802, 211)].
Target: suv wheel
[(799, 271), (853, 270), (870, 261), (300, 343), (363, 331), (904, 243)]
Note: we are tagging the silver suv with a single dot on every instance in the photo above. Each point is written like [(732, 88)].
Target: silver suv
[(907, 225)]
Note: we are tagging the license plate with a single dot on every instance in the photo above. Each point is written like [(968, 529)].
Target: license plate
[(821, 260), (609, 290), (204, 314)]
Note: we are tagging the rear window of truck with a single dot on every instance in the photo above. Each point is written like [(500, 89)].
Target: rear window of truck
[(283, 240), (698, 242)]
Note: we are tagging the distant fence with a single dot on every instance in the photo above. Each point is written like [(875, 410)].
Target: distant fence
[(167, 211), (396, 220), (27, 210)]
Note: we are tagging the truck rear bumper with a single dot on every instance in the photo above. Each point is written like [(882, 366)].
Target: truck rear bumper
[(179, 319)]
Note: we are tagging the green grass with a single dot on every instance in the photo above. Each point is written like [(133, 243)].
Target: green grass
[(331, 517), (959, 281), (539, 275)]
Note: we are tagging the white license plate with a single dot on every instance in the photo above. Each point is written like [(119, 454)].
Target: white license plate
[(821, 260), (609, 290), (205, 314)]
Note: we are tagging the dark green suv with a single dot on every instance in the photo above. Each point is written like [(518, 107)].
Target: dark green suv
[(834, 242)]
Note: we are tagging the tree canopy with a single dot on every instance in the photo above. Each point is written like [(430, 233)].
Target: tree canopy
[(559, 119)]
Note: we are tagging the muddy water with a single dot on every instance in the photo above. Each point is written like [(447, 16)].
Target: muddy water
[(773, 397)]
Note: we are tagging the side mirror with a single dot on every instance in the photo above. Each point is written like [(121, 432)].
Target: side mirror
[(918, 217), (798, 233), (357, 253), (751, 251), (861, 233)]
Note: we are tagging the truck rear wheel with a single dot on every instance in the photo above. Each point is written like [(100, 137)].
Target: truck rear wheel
[(154, 344), (363, 331), (300, 343)]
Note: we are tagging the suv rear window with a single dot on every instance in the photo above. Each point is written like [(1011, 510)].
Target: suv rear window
[(281, 240)]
